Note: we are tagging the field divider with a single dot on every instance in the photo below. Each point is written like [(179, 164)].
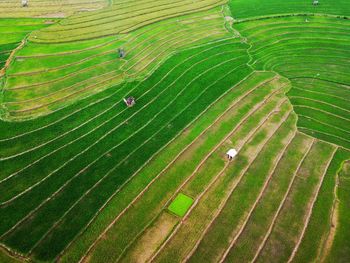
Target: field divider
[(308, 217), (69, 52), (75, 93), (11, 56), (344, 85), (327, 243), (274, 43), (267, 181), (30, 73), (267, 235), (323, 123), (58, 120), (325, 133), (114, 12), (150, 46), (127, 28), (323, 111), (320, 93), (321, 102), (172, 45), (60, 78), (268, 57)]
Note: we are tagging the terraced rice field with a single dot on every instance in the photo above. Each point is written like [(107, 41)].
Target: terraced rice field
[(84, 178), (48, 9)]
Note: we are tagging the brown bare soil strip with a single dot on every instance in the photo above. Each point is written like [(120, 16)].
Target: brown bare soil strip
[(152, 238), (12, 54)]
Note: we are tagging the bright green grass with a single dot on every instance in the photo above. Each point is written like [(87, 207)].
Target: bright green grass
[(180, 205), (13, 31)]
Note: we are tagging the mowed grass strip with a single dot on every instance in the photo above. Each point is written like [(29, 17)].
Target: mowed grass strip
[(169, 155), (108, 174), (290, 221)]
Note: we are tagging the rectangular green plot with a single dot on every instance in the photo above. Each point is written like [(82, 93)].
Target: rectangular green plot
[(180, 205)]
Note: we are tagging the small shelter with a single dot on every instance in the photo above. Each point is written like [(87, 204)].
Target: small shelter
[(231, 154), (121, 52), (315, 2), (24, 3), (129, 101)]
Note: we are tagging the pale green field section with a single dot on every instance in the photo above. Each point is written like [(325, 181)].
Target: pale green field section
[(45, 77)]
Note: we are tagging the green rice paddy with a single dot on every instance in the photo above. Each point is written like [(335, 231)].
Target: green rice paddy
[(180, 205), (84, 178)]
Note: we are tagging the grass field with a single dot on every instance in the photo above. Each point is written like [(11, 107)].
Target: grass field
[(84, 178)]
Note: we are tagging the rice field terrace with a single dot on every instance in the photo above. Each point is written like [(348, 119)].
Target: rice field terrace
[(174, 131)]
